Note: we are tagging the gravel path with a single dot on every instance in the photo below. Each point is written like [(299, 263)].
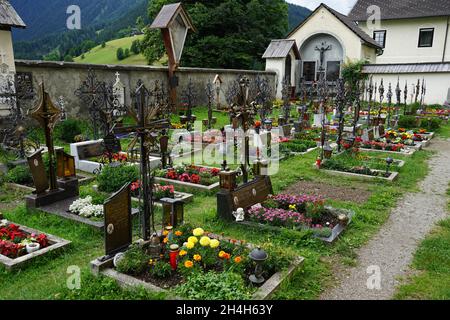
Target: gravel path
[(393, 247)]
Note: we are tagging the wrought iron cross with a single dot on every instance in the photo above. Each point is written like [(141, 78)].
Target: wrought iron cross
[(189, 96), (244, 113), (47, 114), (209, 91), (147, 112), (285, 94)]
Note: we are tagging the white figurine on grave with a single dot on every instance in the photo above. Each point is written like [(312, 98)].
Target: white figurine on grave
[(239, 215)]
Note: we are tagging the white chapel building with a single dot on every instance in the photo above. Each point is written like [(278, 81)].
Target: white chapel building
[(410, 42)]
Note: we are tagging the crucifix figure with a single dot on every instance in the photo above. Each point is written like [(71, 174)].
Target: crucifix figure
[(322, 51), (244, 112), (47, 114), (147, 125)]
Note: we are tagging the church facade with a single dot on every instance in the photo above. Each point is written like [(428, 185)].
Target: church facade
[(410, 44)]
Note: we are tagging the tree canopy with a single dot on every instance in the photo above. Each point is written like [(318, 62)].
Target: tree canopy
[(230, 33)]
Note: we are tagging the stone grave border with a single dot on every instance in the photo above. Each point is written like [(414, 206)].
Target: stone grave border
[(264, 292), (335, 232), (56, 243)]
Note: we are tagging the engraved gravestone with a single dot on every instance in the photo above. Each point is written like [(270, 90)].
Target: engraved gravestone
[(118, 223), (38, 172)]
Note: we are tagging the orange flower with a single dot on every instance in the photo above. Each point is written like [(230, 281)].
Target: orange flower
[(178, 233), (237, 260), (227, 256), (165, 233), (188, 264), (182, 253), (222, 254), (197, 257), (166, 240)]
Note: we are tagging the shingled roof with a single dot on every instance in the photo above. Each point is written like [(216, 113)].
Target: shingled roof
[(281, 48), (368, 40), (9, 16), (168, 13), (401, 9)]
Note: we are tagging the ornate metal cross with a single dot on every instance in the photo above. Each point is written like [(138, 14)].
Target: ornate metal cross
[(209, 91), (189, 96), (148, 124), (285, 94), (244, 113), (47, 114)]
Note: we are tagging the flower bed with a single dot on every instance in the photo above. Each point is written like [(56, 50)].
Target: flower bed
[(302, 212), (340, 165), (193, 264), (296, 146), (19, 244), (190, 177)]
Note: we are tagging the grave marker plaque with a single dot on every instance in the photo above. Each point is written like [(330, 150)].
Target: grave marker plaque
[(118, 223), (38, 172), (246, 196)]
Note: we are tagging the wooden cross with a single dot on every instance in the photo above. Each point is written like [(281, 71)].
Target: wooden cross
[(47, 114), (146, 125)]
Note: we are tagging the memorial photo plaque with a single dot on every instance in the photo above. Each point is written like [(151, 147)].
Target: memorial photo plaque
[(38, 172), (118, 223)]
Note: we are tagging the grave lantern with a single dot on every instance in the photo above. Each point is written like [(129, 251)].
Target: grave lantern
[(258, 256), (389, 162), (65, 165), (228, 179), (173, 212), (174, 23)]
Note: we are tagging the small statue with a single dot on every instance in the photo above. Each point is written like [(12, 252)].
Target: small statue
[(239, 215)]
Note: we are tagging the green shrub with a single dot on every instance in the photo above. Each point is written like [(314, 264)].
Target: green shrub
[(431, 124), (134, 262), (68, 130), (407, 122), (2, 178), (214, 286), (19, 175), (161, 270), (112, 178)]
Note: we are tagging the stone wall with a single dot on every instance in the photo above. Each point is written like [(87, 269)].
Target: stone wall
[(63, 78)]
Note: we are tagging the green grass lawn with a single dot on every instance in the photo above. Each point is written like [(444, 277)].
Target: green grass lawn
[(432, 264), (107, 55)]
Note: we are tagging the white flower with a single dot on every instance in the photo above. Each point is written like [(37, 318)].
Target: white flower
[(85, 208)]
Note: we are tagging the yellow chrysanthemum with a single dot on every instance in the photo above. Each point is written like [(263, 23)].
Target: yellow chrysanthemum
[(188, 264), (193, 239), (214, 243), (190, 245), (197, 257), (205, 241), (198, 232), (165, 233), (292, 207), (222, 254), (183, 253)]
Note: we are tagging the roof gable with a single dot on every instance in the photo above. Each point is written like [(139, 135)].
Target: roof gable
[(346, 21), (168, 13), (9, 16), (401, 9), (281, 49)]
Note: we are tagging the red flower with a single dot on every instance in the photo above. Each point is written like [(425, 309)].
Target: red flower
[(215, 171), (195, 178), (171, 174), (184, 178), (42, 240)]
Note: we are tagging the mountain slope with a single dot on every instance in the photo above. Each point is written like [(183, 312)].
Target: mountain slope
[(101, 20), (44, 17), (296, 15)]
